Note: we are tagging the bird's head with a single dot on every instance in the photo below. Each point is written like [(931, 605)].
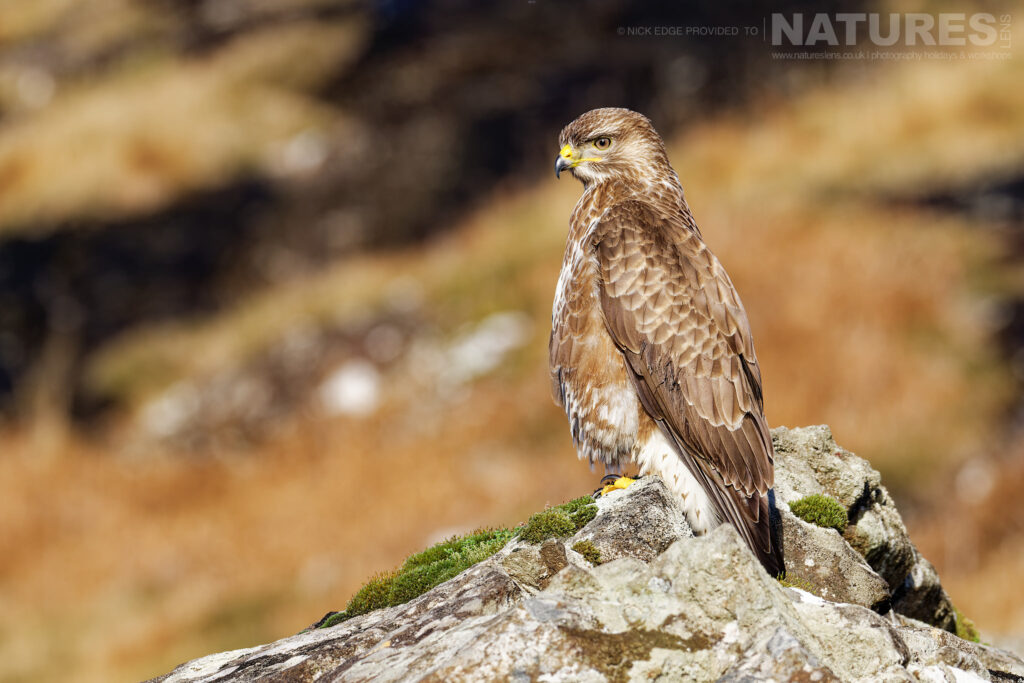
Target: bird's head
[(611, 143)]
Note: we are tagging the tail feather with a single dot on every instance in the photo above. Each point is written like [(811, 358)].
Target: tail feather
[(752, 515)]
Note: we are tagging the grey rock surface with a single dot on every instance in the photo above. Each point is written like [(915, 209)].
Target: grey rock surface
[(808, 461), (821, 561), (664, 604), (641, 525)]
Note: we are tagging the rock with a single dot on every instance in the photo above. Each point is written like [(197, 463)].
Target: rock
[(781, 657), (820, 561), (532, 567), (922, 597), (859, 644), (662, 604), (936, 648), (808, 461), (641, 525)]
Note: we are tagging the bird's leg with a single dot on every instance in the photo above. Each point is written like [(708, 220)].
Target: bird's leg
[(612, 481), (620, 483)]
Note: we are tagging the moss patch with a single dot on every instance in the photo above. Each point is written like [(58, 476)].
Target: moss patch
[(332, 619), (376, 593), (965, 628), (441, 562), (421, 572), (559, 521), (822, 511), (589, 551)]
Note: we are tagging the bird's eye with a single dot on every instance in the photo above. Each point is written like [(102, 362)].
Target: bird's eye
[(603, 143)]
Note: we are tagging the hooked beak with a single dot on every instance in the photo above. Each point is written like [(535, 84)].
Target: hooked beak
[(561, 163), (565, 160)]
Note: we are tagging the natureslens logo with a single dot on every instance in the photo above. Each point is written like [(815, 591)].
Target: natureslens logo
[(858, 35), (909, 29)]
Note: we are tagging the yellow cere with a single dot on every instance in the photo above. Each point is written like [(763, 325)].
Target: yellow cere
[(566, 152)]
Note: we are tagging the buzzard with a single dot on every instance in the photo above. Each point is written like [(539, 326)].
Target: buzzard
[(651, 354)]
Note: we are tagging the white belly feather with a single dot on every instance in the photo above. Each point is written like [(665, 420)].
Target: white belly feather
[(657, 456)]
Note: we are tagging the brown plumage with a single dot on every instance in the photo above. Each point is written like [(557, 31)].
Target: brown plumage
[(651, 353)]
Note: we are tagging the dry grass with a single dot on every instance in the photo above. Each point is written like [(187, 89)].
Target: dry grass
[(906, 129), (866, 316), (20, 20), (976, 537), (124, 568), (140, 138)]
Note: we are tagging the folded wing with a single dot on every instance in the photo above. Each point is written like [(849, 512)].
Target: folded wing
[(676, 317)]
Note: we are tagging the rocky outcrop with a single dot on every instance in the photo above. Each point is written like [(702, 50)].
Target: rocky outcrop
[(808, 461), (861, 606)]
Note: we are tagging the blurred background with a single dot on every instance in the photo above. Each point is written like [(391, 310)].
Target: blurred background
[(276, 278)]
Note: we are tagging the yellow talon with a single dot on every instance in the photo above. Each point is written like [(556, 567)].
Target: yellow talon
[(620, 483)]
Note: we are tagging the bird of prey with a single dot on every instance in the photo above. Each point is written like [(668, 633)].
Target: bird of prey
[(651, 354)]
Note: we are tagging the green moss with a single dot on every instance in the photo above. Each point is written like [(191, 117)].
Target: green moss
[(421, 572), (581, 511), (441, 562), (374, 595), (965, 628), (560, 521), (547, 524), (331, 619), (589, 551), (822, 511)]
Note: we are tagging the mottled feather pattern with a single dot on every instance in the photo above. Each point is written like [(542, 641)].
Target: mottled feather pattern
[(649, 335)]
